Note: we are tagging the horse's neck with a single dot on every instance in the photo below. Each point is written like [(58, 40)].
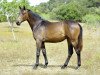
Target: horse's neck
[(33, 23)]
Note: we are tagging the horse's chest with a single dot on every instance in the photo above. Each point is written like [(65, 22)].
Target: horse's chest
[(39, 33)]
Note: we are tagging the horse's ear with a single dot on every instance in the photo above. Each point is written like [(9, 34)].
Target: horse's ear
[(24, 7), (19, 7)]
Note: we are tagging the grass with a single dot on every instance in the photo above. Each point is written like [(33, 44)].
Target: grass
[(17, 57)]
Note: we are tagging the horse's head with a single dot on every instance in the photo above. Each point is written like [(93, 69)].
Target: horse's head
[(23, 15)]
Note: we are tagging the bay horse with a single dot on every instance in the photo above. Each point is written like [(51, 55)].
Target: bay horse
[(52, 32)]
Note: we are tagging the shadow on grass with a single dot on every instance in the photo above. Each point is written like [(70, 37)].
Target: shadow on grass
[(42, 66)]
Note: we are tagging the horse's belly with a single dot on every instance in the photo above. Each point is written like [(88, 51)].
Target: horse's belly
[(54, 40), (55, 37)]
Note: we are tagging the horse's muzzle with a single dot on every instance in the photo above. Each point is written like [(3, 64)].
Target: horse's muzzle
[(18, 23)]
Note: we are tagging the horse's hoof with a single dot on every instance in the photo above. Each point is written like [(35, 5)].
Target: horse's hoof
[(77, 67), (35, 67), (45, 66), (63, 67)]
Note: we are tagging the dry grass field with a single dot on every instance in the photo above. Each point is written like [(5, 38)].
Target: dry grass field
[(18, 57)]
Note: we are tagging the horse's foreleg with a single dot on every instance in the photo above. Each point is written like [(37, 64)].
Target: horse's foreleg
[(44, 54), (38, 45), (70, 52)]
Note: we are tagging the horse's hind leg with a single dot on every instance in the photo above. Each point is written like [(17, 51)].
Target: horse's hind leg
[(44, 54), (78, 52), (70, 52), (78, 49)]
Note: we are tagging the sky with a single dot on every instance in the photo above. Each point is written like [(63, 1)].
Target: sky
[(34, 2)]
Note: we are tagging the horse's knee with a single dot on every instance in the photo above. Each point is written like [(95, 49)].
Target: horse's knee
[(37, 53), (43, 51), (78, 52), (78, 48), (70, 54), (74, 42)]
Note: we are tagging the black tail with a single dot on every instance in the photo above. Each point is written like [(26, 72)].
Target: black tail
[(81, 31), (80, 38)]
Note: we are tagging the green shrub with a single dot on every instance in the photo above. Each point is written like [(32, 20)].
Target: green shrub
[(45, 16), (72, 11), (91, 18), (2, 18), (94, 10)]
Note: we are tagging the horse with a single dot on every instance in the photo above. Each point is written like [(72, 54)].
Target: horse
[(45, 31)]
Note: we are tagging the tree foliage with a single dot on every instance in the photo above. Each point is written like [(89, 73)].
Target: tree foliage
[(71, 10), (11, 9), (55, 9), (74, 9)]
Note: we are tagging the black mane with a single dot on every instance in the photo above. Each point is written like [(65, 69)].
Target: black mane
[(36, 16)]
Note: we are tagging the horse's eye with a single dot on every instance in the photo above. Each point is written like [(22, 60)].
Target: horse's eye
[(23, 13)]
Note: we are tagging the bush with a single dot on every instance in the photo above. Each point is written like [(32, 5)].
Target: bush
[(71, 11), (2, 18), (91, 18), (45, 16), (94, 10)]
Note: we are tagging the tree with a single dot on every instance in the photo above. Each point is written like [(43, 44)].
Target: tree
[(72, 11), (11, 8), (9, 11)]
